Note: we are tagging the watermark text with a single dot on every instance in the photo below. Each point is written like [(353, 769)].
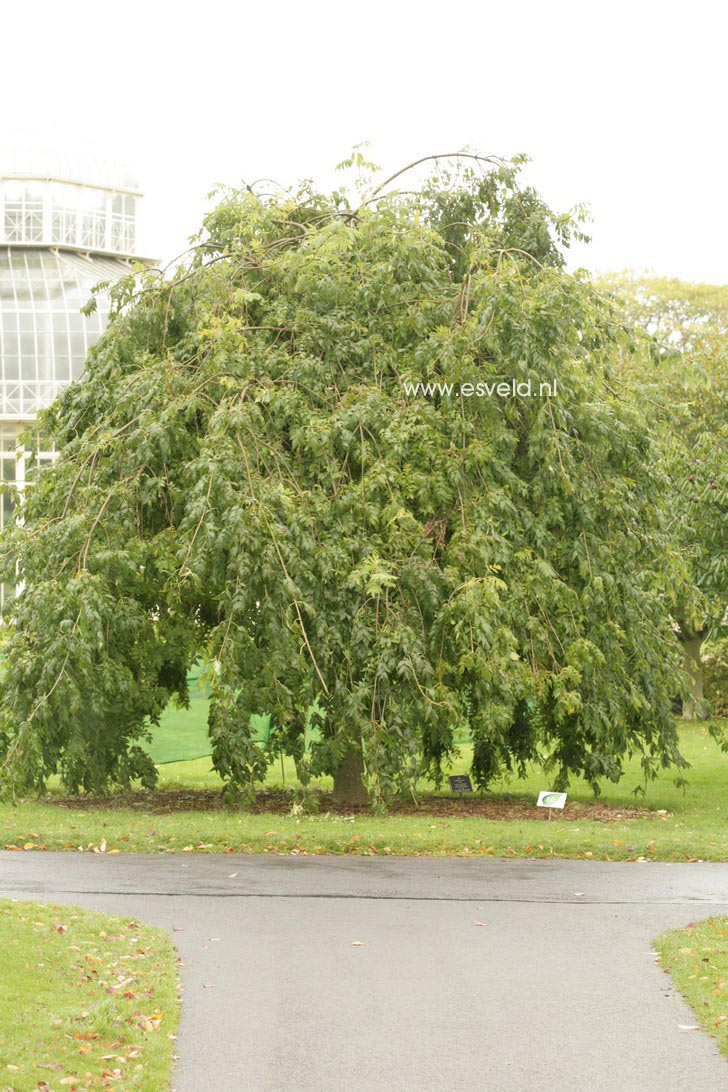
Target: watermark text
[(511, 388)]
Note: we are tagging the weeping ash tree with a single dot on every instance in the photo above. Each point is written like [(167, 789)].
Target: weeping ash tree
[(249, 472)]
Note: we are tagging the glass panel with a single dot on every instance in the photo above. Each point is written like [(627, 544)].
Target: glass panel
[(44, 339), (64, 214), (123, 215), (6, 512), (93, 219), (44, 345), (23, 215), (62, 366), (9, 347), (63, 225), (8, 469)]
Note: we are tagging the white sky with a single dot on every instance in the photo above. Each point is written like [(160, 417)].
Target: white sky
[(622, 106)]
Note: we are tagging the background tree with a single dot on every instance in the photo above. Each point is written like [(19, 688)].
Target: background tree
[(245, 473), (681, 382)]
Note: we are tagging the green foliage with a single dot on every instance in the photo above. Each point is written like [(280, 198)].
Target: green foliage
[(680, 380), (243, 474), (715, 672)]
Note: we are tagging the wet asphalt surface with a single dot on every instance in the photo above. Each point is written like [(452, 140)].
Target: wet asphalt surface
[(556, 988)]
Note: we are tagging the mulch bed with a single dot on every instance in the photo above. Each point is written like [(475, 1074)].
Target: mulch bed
[(280, 802)]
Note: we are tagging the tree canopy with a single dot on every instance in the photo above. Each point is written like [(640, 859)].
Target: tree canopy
[(245, 473), (681, 383)]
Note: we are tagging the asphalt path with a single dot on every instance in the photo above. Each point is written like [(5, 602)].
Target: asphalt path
[(364, 975)]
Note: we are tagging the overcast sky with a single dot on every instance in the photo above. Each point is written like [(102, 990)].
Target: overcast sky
[(619, 105)]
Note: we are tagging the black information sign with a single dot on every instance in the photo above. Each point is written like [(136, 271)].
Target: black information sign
[(460, 783)]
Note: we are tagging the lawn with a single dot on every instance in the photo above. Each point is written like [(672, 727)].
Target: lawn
[(696, 958), (87, 1001), (680, 825)]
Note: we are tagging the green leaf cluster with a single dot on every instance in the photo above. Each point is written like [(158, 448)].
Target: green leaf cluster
[(678, 376)]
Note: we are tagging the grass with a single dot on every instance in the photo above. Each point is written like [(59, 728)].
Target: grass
[(696, 958), (693, 826), (87, 1001)]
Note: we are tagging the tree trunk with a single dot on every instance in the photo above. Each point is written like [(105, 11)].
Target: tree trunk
[(349, 781), (694, 706)]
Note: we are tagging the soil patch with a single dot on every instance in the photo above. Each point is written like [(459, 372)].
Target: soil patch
[(280, 802)]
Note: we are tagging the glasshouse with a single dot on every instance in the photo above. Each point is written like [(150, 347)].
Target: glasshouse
[(64, 227)]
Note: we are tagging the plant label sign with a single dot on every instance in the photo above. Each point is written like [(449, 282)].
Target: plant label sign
[(460, 783), (551, 800)]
